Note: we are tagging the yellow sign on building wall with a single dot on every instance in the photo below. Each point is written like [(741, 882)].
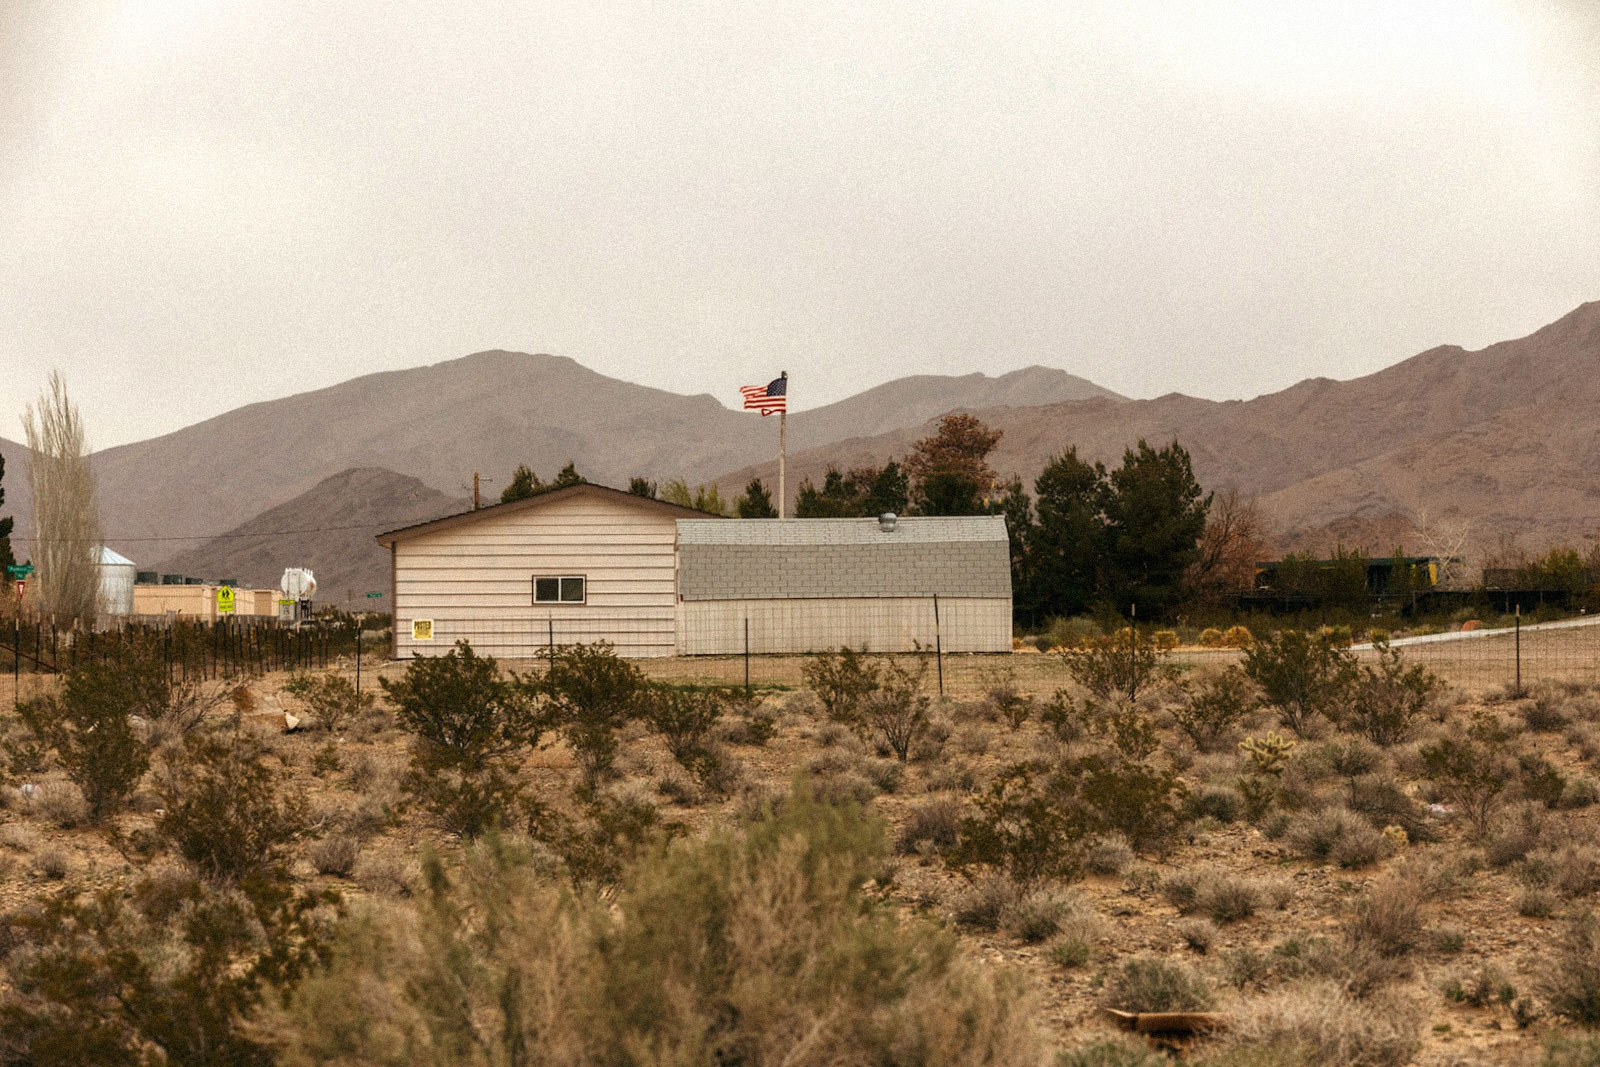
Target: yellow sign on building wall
[(224, 600), (422, 629)]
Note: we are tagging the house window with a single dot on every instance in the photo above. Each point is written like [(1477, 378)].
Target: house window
[(561, 590)]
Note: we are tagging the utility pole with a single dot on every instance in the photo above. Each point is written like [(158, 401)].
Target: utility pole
[(783, 427)]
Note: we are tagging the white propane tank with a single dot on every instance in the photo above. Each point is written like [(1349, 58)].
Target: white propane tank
[(297, 583)]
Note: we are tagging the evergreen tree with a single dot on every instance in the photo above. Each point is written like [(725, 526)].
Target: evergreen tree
[(642, 487), (1015, 504), (1155, 515), (1065, 546), (756, 502), (890, 491), (568, 475), (524, 483)]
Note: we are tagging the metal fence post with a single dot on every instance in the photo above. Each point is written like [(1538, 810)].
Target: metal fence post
[(358, 659), (747, 655), (1519, 650), (938, 645)]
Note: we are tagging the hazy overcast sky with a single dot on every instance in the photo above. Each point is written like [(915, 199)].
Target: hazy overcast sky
[(209, 202)]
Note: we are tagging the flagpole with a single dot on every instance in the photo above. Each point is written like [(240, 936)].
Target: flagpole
[(783, 428)]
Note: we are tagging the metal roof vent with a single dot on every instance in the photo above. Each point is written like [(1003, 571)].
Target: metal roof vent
[(887, 521)]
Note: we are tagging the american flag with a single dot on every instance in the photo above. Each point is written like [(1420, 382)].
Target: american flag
[(774, 396)]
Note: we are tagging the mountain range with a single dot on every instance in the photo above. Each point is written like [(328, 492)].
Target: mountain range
[(1450, 443)]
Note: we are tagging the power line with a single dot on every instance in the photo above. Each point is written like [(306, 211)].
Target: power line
[(221, 536)]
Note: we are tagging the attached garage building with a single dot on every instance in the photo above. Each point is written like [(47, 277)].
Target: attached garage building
[(588, 563), (809, 584)]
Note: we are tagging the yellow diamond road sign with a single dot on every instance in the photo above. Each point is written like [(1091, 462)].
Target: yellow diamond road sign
[(225, 600)]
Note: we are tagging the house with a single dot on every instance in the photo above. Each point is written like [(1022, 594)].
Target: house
[(582, 564), (588, 563)]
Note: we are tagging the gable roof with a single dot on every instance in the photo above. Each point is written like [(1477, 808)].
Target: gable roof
[(538, 500), (767, 559)]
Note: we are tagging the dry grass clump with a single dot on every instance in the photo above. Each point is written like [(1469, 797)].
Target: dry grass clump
[(1388, 920), (1223, 897), (1112, 1052), (1153, 983), (1335, 835), (1329, 1027), (20, 838), (1198, 934), (931, 827), (335, 855), (1111, 854), (1572, 870), (1571, 979), (52, 863), (385, 872), (59, 803)]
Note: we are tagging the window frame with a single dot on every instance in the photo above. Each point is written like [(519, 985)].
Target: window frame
[(560, 580)]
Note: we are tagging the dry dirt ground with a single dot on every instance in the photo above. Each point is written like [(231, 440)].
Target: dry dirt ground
[(1471, 908)]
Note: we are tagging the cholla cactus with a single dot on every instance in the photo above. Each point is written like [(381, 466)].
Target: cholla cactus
[(1267, 753)]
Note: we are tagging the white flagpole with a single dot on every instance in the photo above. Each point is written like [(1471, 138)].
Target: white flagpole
[(783, 428)]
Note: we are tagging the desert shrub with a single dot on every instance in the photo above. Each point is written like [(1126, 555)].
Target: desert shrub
[(1387, 698), (1547, 711), (1485, 986), (1210, 637), (335, 855), (1223, 897), (1116, 665), (984, 903), (933, 826), (1218, 802), (1215, 706), (1539, 780), (1151, 983), (1117, 1052), (1472, 767), (1384, 802), (53, 863), (1198, 934), (721, 949), (1021, 827), (328, 699), (684, 718), (1330, 1027), (1513, 834), (896, 713), (1562, 1050), (1572, 870), (1537, 903), (841, 680), (1571, 979), (1334, 835), (591, 693), (59, 803), (168, 974), (89, 726), (1302, 675), (598, 841), (1580, 793), (1009, 703), (1068, 952), (1388, 919), (468, 724), (1037, 915), (223, 815), (1237, 637)]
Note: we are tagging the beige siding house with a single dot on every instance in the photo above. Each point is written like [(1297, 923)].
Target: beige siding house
[(588, 563), (582, 564)]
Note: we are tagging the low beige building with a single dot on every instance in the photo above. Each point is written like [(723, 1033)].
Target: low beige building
[(588, 563), (577, 565), (802, 585), (199, 602)]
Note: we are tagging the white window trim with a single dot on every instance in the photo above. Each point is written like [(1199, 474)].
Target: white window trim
[(559, 578)]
